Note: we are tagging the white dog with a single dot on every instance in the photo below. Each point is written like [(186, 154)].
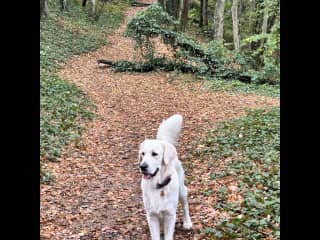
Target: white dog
[(163, 180)]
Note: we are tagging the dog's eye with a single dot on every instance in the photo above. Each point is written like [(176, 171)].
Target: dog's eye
[(154, 154), (142, 153)]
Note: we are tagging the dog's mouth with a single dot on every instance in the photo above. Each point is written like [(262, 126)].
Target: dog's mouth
[(147, 175)]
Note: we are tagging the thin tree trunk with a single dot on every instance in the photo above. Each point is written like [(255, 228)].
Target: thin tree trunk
[(63, 5), (271, 21), (93, 7), (264, 27), (218, 20), (41, 8), (177, 8), (172, 7), (251, 21), (205, 12), (165, 6), (252, 9), (235, 24), (169, 7), (201, 14), (161, 2), (203, 21), (93, 10), (184, 15), (44, 11), (240, 9), (180, 9)]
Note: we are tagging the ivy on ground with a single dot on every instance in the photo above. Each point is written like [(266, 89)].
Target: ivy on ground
[(253, 143), (63, 106)]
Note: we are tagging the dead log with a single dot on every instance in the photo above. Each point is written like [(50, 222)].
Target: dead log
[(140, 4), (107, 62)]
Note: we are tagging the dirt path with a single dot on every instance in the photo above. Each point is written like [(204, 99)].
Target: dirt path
[(97, 192)]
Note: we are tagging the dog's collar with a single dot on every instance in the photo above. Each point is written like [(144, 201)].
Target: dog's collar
[(155, 173), (164, 183)]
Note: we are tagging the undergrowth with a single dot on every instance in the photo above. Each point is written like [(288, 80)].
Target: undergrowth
[(63, 106), (253, 143), (212, 60), (71, 32), (240, 87), (232, 87)]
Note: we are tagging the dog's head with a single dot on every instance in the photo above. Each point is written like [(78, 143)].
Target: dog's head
[(153, 155)]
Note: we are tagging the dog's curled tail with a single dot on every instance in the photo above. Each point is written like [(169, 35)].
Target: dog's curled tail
[(170, 128)]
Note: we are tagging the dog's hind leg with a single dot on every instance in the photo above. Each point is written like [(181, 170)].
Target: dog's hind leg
[(154, 226), (183, 192)]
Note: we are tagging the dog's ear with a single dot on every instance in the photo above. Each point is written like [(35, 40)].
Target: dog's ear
[(139, 158), (169, 153)]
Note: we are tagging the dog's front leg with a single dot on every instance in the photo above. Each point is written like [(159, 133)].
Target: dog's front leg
[(169, 225), (154, 226), (187, 224)]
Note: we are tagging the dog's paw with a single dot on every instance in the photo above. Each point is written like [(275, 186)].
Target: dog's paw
[(187, 225)]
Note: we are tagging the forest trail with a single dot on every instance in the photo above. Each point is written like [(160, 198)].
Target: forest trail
[(97, 191)]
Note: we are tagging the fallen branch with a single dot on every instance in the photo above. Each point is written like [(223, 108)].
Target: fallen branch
[(163, 65), (139, 4), (107, 62)]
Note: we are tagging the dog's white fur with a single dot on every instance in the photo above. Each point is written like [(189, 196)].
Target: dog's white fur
[(161, 210)]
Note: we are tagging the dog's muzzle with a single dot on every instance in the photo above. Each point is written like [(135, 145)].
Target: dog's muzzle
[(147, 175)]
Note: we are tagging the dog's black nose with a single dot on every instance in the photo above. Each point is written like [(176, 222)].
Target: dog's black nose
[(143, 166)]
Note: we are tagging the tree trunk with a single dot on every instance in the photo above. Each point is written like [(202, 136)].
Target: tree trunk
[(235, 24), (173, 8), (184, 15), (46, 9), (161, 2), (251, 22), (180, 9), (201, 14), (203, 21), (169, 7), (93, 11), (240, 9), (205, 13), (63, 5), (177, 7), (264, 27), (218, 20), (43, 8)]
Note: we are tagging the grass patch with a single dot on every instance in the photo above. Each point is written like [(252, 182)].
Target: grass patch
[(63, 106), (254, 143)]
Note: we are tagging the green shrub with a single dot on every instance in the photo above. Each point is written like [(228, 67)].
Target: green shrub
[(213, 59)]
